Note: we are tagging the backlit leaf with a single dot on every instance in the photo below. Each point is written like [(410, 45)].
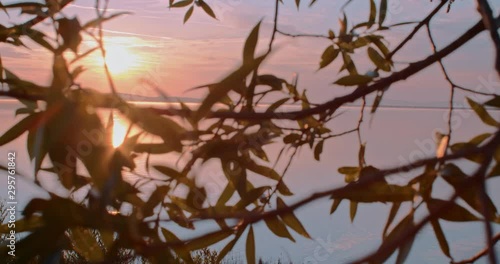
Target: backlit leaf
[(250, 248), (373, 14), (392, 215), (278, 227), (353, 208), (291, 220), (443, 243), (352, 80), (188, 14), (328, 56), (182, 3), (69, 29), (482, 113), (382, 12), (452, 212), (378, 60), (206, 8), (19, 128), (318, 150), (495, 102), (251, 44)]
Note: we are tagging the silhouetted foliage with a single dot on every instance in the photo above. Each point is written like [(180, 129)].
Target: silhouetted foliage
[(229, 127)]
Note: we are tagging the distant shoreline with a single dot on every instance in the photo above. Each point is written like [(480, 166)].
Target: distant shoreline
[(175, 100)]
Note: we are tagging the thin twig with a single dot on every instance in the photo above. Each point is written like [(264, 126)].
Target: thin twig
[(275, 27), (426, 21), (480, 254), (450, 82)]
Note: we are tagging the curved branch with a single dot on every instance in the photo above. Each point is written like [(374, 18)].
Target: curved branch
[(363, 90)]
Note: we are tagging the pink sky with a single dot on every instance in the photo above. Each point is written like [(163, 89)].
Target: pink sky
[(178, 57)]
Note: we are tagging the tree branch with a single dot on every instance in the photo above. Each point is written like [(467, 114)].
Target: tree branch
[(490, 24), (481, 253)]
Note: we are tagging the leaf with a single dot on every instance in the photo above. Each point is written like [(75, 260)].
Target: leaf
[(380, 45), (382, 12), (452, 212), (182, 3), (328, 56), (404, 250), (353, 208), (221, 89), (361, 155), (222, 254), (331, 34), (482, 113), (16, 84), (291, 138), (349, 64), (464, 147), (352, 80), (443, 243), (207, 8), (495, 102), (495, 171), (154, 200), (272, 81), (250, 248), (251, 44), (343, 26), (349, 170), (262, 170), (392, 215), (188, 14), (155, 124), (380, 192), (69, 29), (395, 235), (318, 150), (226, 194), (39, 38), (283, 189), (472, 195), (19, 128), (376, 103), (291, 220), (378, 60), (477, 140), (277, 227), (373, 14), (251, 196)]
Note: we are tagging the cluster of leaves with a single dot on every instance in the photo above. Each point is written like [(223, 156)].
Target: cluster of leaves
[(94, 229)]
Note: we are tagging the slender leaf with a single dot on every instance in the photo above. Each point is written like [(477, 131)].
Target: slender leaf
[(278, 227), (188, 14), (291, 220), (482, 113), (250, 248)]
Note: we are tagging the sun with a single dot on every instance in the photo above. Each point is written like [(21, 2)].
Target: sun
[(119, 132), (120, 59)]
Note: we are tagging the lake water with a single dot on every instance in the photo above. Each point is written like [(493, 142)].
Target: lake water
[(393, 136)]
